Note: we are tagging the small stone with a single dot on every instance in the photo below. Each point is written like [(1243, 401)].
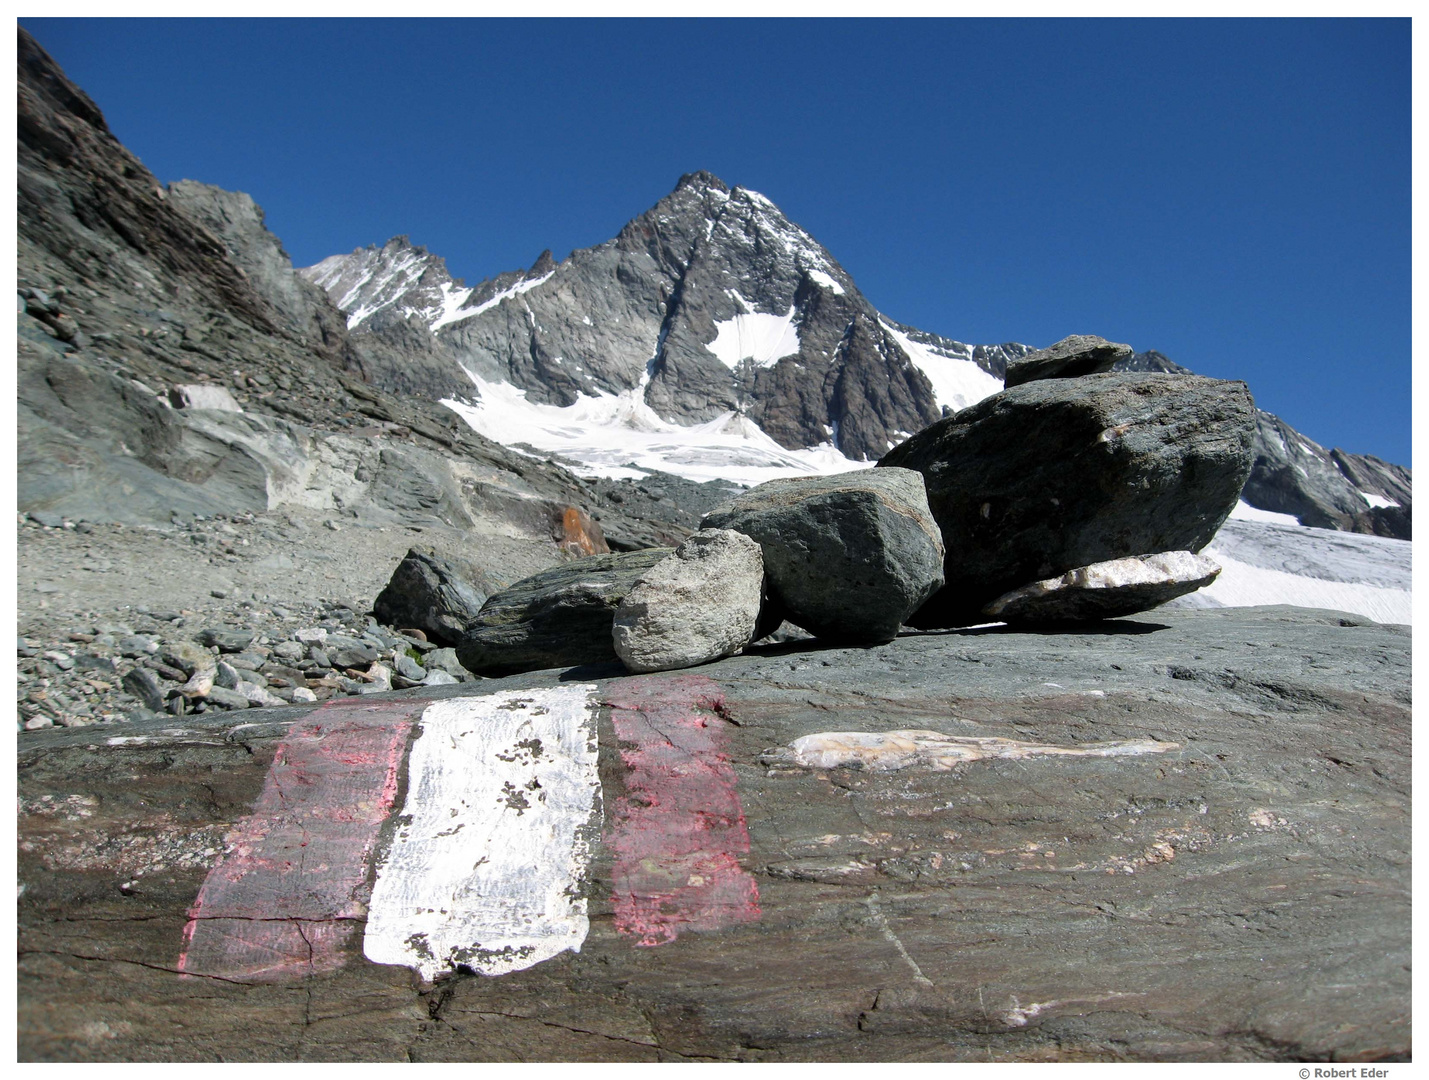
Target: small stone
[(187, 656), (302, 693), (225, 676), (381, 677), (203, 396), (290, 651), (408, 668), (228, 697), (311, 635), (144, 685), (352, 653), (63, 661), (228, 641), (260, 696), (136, 646), (438, 677), (48, 518), (35, 723), (200, 684)]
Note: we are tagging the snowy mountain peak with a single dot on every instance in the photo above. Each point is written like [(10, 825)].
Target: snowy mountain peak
[(709, 303)]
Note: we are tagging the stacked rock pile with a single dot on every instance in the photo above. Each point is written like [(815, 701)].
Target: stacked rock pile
[(1076, 493)]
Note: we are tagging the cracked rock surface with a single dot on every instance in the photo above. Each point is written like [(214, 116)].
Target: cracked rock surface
[(1222, 874)]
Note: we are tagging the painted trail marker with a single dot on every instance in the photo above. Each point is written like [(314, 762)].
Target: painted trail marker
[(679, 831), (286, 897), (502, 807)]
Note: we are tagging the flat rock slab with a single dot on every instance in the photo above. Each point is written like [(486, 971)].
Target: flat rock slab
[(1107, 590), (1073, 356), (1180, 837), (847, 557), (1061, 473), (557, 618)]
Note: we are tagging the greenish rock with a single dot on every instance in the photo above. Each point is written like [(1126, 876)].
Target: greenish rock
[(1060, 473), (846, 557)]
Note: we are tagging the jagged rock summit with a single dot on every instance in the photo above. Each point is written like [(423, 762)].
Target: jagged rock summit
[(711, 302)]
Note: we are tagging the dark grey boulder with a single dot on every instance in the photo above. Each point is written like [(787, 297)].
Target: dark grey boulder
[(1107, 590), (144, 685), (434, 594), (847, 557), (557, 618), (1061, 473), (1079, 354)]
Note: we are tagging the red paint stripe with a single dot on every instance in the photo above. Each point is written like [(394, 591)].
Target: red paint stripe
[(679, 830), (284, 900)]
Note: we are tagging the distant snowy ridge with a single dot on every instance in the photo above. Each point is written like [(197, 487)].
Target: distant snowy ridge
[(713, 304)]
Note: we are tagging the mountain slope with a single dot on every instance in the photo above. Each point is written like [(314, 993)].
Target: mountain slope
[(711, 302), (712, 329), (131, 289)]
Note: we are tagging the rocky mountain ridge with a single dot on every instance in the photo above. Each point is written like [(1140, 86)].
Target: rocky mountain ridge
[(712, 302), (132, 290)]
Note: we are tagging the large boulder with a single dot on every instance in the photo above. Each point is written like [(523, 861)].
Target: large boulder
[(848, 557), (436, 595), (557, 618), (1060, 473), (700, 604), (1106, 590), (1079, 354)]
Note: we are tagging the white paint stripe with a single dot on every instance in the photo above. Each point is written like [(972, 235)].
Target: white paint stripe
[(502, 808)]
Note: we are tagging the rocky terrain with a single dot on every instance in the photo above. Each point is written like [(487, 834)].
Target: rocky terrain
[(1191, 843), (317, 763), (713, 302)]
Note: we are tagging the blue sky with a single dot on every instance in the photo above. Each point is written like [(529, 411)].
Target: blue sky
[(1233, 193)]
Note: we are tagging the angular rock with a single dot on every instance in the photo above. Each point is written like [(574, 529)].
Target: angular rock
[(408, 668), (187, 656), (438, 677), (701, 603), (1061, 473), (228, 697), (144, 685), (847, 557), (358, 654), (557, 618), (136, 646), (445, 660), (226, 676), (1106, 590), (1079, 354), (381, 677), (228, 641), (436, 595), (290, 651), (259, 696), (203, 396)]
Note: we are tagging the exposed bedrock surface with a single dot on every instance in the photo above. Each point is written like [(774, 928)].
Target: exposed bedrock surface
[(1184, 836)]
